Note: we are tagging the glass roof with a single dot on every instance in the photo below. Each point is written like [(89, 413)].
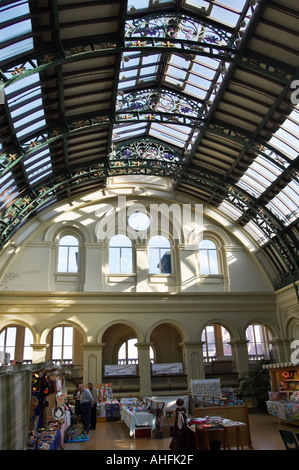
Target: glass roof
[(174, 64)]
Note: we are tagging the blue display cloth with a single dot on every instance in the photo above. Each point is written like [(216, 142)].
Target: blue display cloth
[(79, 439), (52, 441)]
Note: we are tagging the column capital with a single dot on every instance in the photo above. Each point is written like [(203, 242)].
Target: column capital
[(192, 344), (93, 345), (239, 342), (39, 346), (143, 345)]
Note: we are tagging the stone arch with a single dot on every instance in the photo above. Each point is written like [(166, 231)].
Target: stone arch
[(228, 325), (272, 327), (292, 328), (113, 335), (50, 327), (166, 337), (21, 323), (67, 227), (179, 327)]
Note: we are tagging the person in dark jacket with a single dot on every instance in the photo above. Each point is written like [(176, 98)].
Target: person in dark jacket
[(182, 435)]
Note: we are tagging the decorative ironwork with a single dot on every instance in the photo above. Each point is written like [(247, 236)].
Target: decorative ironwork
[(180, 27), (158, 101), (144, 152)]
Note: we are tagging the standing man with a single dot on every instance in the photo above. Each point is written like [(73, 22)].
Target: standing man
[(93, 418), (86, 402)]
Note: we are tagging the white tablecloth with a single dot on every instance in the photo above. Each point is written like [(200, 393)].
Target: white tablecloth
[(133, 419), (170, 402)]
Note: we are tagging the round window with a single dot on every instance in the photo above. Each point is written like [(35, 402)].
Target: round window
[(139, 221)]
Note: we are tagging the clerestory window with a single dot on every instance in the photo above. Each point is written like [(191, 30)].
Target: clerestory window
[(120, 255), (68, 254), (159, 255), (208, 257)]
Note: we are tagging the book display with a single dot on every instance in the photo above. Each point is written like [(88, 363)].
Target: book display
[(283, 400)]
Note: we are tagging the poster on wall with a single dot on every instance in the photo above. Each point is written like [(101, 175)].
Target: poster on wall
[(206, 387), (120, 369), (166, 369)]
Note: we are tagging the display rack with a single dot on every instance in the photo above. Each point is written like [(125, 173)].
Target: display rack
[(283, 400)]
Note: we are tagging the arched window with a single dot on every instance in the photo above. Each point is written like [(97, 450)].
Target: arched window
[(62, 344), (68, 253), (28, 340), (259, 339), (128, 352), (8, 341), (216, 342), (208, 258), (120, 255), (159, 255), (17, 340)]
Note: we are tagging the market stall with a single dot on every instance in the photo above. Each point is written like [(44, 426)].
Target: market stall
[(25, 411), (283, 400), (231, 421), (139, 421)]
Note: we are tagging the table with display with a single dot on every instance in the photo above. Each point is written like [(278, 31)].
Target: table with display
[(137, 420), (222, 428), (233, 422)]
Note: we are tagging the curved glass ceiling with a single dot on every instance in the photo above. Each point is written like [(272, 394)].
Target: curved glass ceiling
[(169, 73)]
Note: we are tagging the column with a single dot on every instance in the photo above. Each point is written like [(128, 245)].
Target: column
[(144, 364), (240, 355), (141, 268), (188, 266), (278, 346), (92, 362), (94, 277), (193, 360), (39, 352)]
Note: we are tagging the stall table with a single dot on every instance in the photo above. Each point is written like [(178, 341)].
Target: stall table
[(138, 421), (235, 422)]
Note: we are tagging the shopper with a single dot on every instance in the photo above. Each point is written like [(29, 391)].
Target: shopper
[(86, 402), (93, 418), (76, 397), (182, 435)]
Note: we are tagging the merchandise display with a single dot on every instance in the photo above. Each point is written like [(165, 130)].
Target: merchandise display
[(137, 418), (283, 400), (50, 413)]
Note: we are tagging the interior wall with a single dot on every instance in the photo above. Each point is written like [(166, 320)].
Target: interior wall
[(29, 263)]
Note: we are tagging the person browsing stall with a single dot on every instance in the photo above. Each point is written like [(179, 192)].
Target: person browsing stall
[(86, 402)]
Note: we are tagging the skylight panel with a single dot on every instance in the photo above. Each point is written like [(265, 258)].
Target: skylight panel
[(285, 204), (256, 233), (16, 48), (264, 171), (18, 30), (36, 120), (14, 31), (8, 189), (40, 173), (28, 95), (246, 183), (33, 104), (173, 134), (121, 132), (126, 84), (15, 10), (224, 11), (284, 147), (229, 209)]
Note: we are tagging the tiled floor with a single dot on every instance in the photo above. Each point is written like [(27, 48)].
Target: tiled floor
[(114, 436)]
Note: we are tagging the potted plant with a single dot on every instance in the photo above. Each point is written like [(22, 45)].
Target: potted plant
[(256, 385)]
